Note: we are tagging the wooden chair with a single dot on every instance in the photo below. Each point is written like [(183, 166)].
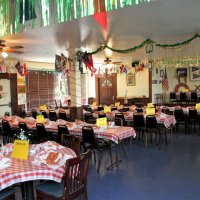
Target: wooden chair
[(72, 142), (7, 194), (74, 183)]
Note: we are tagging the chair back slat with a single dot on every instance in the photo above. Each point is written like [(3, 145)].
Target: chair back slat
[(76, 170), (71, 142)]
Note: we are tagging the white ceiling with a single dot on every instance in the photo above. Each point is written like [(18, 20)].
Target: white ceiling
[(164, 21)]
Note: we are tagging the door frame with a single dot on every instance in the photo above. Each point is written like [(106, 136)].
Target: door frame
[(13, 89), (97, 86)]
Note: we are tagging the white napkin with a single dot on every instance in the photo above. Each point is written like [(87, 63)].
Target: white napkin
[(56, 162), (4, 162)]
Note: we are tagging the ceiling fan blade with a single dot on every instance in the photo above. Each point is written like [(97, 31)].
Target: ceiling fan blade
[(2, 41), (116, 63), (12, 51), (16, 47)]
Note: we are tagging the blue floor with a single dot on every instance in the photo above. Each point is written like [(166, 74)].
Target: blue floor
[(171, 173)]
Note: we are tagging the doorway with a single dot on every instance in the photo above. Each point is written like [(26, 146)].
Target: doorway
[(8, 93), (106, 89)]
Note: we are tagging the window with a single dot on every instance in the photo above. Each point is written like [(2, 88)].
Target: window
[(43, 87), (106, 83)]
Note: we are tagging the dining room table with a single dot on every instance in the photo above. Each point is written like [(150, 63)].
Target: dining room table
[(46, 161)]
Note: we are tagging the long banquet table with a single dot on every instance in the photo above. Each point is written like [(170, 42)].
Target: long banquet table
[(27, 171)]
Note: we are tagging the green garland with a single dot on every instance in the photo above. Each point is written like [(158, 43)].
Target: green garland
[(146, 43)]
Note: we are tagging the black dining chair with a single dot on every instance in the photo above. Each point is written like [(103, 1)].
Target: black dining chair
[(7, 194), (139, 110), (100, 108), (89, 118), (113, 108), (90, 142), (102, 115), (74, 183), (34, 114), (62, 129), (8, 134), (63, 115), (44, 113), (193, 119), (52, 115), (181, 119), (139, 124), (42, 135), (120, 115), (152, 126)]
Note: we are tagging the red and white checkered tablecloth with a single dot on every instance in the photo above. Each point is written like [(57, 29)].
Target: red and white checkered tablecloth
[(114, 134), (167, 120), (24, 170)]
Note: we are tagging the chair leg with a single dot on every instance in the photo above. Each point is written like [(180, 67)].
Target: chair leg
[(99, 161), (124, 148), (94, 157), (145, 142), (85, 197)]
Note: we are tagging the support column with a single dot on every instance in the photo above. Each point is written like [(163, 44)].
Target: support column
[(75, 85)]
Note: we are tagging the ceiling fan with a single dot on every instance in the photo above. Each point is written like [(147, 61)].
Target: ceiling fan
[(10, 49), (108, 61)]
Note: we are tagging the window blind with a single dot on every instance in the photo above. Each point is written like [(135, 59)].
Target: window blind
[(40, 89)]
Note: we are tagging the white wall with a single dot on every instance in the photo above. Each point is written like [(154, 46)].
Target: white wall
[(141, 88), (173, 81)]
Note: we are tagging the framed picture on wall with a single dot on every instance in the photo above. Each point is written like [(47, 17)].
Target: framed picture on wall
[(161, 73), (194, 73), (130, 79)]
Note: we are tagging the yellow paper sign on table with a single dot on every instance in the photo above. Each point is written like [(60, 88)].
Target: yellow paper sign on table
[(20, 149), (43, 107), (150, 105), (94, 104), (107, 109), (197, 106), (101, 122), (40, 119), (117, 104), (150, 111)]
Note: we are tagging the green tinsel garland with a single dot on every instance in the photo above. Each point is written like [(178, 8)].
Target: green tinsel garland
[(145, 44), (52, 11)]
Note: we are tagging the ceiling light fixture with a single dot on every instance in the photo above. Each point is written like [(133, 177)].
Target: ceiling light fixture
[(4, 54)]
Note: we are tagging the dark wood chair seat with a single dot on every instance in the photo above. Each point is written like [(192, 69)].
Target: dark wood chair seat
[(73, 184)]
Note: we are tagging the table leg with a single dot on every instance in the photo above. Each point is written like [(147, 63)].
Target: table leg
[(29, 190), (117, 161)]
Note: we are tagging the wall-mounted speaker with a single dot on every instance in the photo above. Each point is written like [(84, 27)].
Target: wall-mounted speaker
[(135, 63)]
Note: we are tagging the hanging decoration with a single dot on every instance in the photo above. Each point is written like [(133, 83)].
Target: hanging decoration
[(85, 58), (178, 62), (148, 44), (100, 14), (21, 68), (63, 64), (15, 13)]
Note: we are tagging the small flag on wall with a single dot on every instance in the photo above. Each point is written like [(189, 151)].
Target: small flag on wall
[(165, 83)]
